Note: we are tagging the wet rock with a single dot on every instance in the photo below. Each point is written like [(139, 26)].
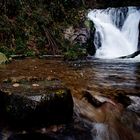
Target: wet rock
[(91, 49), (28, 106), (123, 99), (133, 55), (92, 100), (135, 105), (3, 58)]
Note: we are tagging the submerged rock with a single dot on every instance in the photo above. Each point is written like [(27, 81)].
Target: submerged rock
[(3, 58), (29, 106)]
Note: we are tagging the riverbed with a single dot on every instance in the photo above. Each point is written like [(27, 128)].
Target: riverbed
[(103, 79)]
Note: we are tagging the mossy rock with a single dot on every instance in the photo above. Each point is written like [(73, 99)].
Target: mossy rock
[(3, 58), (35, 103), (89, 24)]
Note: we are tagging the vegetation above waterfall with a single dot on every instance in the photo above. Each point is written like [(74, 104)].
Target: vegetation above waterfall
[(37, 27), (33, 27)]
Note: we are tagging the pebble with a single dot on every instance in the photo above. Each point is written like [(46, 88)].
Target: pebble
[(16, 85), (35, 85)]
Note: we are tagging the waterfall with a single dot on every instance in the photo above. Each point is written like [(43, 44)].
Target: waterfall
[(116, 32)]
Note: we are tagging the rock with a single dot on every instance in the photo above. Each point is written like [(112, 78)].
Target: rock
[(16, 85), (32, 136), (123, 99), (28, 106), (92, 100), (3, 58), (133, 55), (35, 85), (83, 37), (90, 47), (135, 105), (76, 35), (77, 131)]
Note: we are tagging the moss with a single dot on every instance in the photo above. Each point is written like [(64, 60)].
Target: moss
[(3, 58)]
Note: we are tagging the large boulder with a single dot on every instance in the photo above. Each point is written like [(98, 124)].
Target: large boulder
[(35, 103)]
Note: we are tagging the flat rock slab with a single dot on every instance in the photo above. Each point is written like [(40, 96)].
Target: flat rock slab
[(30, 102)]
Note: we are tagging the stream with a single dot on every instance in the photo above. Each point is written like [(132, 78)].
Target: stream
[(109, 81)]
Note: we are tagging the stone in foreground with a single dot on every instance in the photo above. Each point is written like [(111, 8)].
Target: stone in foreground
[(35, 103)]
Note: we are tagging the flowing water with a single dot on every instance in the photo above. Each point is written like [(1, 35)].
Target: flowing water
[(103, 79), (116, 31)]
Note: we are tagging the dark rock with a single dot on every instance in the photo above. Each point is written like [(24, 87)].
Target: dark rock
[(40, 104), (31, 136), (133, 55), (123, 99), (92, 100), (70, 132), (91, 49), (82, 38), (135, 104)]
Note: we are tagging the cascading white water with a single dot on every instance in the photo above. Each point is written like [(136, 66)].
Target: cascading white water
[(116, 31)]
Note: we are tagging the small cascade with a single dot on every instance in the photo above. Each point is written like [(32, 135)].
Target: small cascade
[(116, 31), (102, 131)]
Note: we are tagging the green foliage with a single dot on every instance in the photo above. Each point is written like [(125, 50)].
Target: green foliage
[(75, 52), (30, 53), (21, 24), (20, 45)]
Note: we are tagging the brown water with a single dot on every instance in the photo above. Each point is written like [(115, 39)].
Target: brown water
[(104, 79), (99, 76)]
